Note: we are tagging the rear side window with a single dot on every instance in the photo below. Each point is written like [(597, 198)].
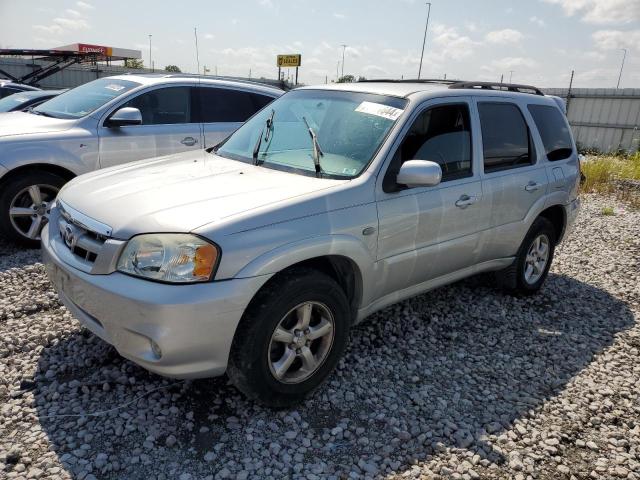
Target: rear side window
[(506, 142), (554, 131), (225, 105), (443, 135), (164, 106)]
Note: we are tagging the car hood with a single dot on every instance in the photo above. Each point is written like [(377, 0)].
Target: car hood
[(181, 192), (24, 123)]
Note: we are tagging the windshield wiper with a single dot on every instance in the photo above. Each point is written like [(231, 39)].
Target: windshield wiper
[(39, 112), (269, 127), (317, 151)]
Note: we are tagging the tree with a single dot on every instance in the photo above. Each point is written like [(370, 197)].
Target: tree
[(347, 79), (133, 63), (173, 68)]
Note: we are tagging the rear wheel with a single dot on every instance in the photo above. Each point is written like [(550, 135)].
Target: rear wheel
[(25, 203), (530, 269), (290, 338)]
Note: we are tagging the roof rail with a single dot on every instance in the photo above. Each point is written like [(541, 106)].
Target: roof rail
[(273, 84), (408, 80), (509, 87)]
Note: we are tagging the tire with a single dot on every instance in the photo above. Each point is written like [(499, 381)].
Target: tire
[(15, 193), (515, 278), (256, 355)]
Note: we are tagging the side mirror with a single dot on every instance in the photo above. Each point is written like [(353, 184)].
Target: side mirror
[(419, 173), (125, 116)]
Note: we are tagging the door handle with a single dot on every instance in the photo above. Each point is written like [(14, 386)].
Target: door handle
[(465, 200), (189, 141), (531, 186)]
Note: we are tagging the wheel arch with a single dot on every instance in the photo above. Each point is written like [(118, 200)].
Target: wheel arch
[(557, 215), (37, 167)]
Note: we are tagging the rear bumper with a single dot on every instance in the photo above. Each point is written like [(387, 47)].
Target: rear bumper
[(193, 325)]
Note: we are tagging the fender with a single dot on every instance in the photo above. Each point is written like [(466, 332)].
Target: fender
[(292, 253)]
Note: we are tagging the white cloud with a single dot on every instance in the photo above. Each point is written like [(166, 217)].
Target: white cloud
[(71, 23), (51, 29), (452, 45), (511, 63), (73, 13), (374, 70), (209, 36), (339, 16), (612, 39), (601, 11), (538, 21), (84, 5), (508, 35), (266, 3)]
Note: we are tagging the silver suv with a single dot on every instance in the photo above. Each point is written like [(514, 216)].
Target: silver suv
[(108, 122), (334, 202)]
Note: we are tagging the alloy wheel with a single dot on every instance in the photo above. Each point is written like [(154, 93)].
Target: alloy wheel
[(537, 258), (29, 209)]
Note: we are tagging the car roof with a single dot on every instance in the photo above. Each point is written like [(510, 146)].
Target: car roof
[(433, 88), (158, 78), (19, 86)]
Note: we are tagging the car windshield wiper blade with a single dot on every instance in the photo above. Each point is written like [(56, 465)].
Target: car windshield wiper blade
[(269, 128), (39, 112), (317, 151)]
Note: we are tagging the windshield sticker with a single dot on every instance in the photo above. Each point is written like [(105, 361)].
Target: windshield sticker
[(349, 171), (379, 110), (115, 87)]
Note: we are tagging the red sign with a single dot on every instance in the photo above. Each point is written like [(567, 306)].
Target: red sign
[(102, 50)]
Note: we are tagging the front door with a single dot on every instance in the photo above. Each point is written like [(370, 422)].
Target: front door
[(169, 125), (428, 232)]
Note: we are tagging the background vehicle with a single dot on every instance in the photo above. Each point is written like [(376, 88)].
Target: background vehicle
[(19, 102), (107, 122), (9, 88), (331, 204)]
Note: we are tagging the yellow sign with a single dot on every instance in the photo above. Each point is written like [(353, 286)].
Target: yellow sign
[(289, 60)]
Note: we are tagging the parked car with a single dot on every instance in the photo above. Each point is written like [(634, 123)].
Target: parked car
[(327, 206), (20, 102), (8, 87), (107, 122)]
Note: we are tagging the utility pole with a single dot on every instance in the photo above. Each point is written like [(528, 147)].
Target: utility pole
[(195, 34), (510, 75), (150, 62), (624, 56), (337, 71), (424, 40), (344, 48), (502, 78)]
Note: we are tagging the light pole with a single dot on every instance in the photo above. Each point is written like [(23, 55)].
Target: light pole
[(424, 40), (344, 48), (510, 75), (150, 64), (624, 56)]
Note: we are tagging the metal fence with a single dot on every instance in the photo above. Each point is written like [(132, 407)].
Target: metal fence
[(603, 119), (78, 74)]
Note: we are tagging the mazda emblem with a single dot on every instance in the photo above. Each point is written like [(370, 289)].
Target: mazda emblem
[(70, 237)]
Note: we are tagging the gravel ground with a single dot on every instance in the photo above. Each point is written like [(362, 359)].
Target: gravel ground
[(463, 382)]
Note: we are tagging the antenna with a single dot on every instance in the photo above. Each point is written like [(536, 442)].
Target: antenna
[(195, 34)]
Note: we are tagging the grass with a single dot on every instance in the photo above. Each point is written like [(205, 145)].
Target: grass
[(601, 172)]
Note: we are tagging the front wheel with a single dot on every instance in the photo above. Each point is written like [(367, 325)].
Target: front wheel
[(533, 260), (25, 203), (290, 338)]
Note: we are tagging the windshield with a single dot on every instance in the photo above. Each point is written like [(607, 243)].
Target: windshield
[(349, 126), (84, 99), (15, 100)]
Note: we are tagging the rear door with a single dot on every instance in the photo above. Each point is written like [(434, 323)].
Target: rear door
[(514, 177), (169, 125), (224, 109)]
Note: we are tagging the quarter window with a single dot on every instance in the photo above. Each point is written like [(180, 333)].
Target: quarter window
[(163, 106), (443, 135), (554, 131), (226, 105), (506, 142)]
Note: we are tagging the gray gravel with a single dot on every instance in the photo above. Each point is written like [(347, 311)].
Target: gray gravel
[(463, 382)]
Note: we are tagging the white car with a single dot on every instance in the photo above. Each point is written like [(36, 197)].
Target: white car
[(107, 122)]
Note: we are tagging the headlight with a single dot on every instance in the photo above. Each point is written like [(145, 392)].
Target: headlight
[(169, 257)]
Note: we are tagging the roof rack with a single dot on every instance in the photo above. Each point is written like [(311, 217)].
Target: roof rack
[(509, 87), (421, 80), (273, 84)]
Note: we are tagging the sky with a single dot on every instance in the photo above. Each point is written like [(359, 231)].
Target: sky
[(537, 42)]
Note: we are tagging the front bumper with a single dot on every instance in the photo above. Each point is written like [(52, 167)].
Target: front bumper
[(193, 325)]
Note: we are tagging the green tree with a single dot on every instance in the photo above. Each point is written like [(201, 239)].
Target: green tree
[(134, 63), (347, 79), (173, 68)]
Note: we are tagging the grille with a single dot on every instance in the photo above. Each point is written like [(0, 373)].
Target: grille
[(81, 241)]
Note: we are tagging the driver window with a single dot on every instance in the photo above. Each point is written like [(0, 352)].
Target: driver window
[(441, 134), (163, 106)]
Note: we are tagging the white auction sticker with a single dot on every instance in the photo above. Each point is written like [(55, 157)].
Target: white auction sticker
[(379, 110), (115, 87)]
